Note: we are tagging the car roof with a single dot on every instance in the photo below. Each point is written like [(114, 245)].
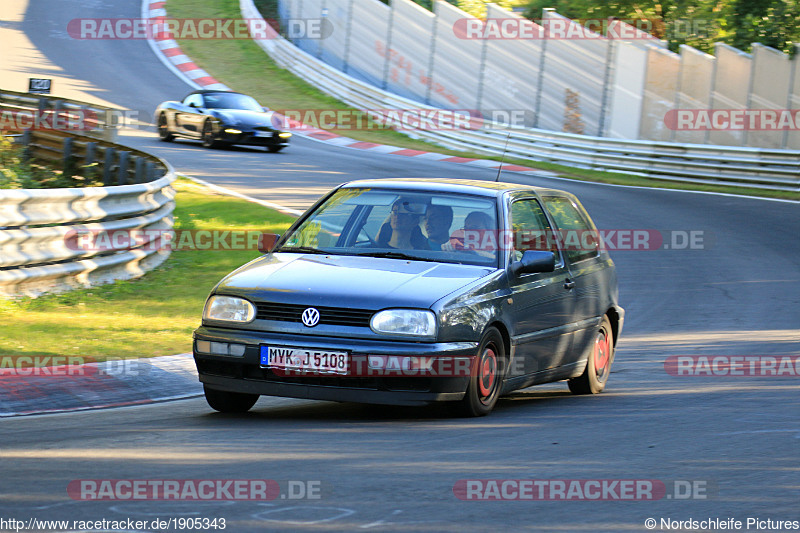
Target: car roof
[(479, 187), (209, 91)]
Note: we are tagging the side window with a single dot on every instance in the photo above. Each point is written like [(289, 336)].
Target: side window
[(531, 231), (195, 99), (576, 233)]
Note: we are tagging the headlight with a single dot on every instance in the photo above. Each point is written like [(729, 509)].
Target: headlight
[(284, 135), (229, 309), (232, 131), (406, 322)]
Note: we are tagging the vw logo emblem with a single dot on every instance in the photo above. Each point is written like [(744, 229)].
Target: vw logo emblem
[(310, 317)]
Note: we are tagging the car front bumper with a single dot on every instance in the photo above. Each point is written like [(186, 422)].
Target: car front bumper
[(253, 138), (446, 379)]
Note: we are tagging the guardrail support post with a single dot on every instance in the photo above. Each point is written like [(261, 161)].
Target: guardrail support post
[(58, 108), (138, 165), (122, 173), (108, 165), (151, 171), (26, 141), (67, 163), (88, 161)]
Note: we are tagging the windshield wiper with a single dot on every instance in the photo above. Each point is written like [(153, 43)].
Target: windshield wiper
[(394, 255), (301, 249)]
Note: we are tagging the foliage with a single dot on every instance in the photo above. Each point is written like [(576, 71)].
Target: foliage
[(19, 172), (700, 24), (15, 172)]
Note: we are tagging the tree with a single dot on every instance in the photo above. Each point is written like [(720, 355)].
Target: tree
[(700, 24)]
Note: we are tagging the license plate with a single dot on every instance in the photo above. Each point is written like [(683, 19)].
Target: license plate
[(263, 134), (303, 360)]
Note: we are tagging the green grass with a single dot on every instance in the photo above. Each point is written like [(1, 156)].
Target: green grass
[(151, 316), (243, 66)]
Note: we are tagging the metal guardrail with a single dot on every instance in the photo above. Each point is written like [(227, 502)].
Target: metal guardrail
[(98, 120), (692, 163), (41, 229), (89, 157)]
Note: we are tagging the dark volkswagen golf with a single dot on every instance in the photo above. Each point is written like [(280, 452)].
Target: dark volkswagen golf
[(411, 291)]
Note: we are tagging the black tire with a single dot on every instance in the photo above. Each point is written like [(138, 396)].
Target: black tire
[(486, 376), (598, 367), (229, 402), (163, 129), (209, 141), (275, 149)]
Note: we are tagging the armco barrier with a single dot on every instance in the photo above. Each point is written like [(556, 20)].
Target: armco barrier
[(693, 163), (99, 120), (40, 229)]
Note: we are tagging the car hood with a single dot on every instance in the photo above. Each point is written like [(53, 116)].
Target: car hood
[(246, 118), (348, 281)]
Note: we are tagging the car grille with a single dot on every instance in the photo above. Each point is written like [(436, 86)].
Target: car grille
[(335, 316)]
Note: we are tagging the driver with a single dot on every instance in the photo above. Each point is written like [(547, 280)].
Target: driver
[(437, 222), (403, 231)]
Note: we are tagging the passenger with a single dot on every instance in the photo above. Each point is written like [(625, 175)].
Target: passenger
[(437, 222), (403, 231), (473, 236)]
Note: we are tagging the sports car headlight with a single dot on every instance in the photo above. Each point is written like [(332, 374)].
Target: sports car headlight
[(405, 322), (229, 309)]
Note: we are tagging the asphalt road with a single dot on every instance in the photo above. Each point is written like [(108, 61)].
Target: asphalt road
[(382, 468)]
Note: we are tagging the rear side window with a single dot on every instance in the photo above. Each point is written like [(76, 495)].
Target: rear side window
[(577, 234)]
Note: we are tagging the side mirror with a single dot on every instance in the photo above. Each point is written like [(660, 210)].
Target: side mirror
[(267, 241), (534, 261)]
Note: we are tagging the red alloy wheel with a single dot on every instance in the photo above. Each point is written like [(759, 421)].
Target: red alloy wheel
[(487, 373)]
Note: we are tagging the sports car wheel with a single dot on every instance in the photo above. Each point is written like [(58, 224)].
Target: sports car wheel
[(229, 402), (163, 129), (598, 367), (209, 141), (486, 376)]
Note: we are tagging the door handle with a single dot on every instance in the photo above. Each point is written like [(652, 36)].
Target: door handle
[(569, 284)]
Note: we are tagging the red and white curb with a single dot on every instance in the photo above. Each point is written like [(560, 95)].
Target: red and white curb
[(113, 383), (173, 57)]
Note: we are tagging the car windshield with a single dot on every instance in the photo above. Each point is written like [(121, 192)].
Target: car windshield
[(231, 101), (408, 225)]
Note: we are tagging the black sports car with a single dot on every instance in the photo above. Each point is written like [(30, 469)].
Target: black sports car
[(220, 118)]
